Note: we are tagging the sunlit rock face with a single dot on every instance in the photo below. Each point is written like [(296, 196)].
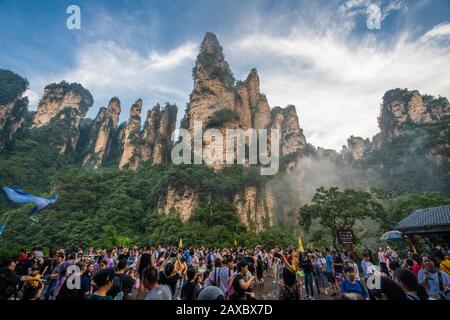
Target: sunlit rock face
[(100, 134), (62, 108)]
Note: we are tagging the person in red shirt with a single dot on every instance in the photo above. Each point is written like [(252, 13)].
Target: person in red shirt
[(417, 264)]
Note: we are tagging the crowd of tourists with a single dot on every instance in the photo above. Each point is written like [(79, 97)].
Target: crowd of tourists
[(198, 273)]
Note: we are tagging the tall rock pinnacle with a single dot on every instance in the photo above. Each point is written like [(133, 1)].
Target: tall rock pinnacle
[(157, 133), (213, 83), (100, 134), (130, 155), (153, 144)]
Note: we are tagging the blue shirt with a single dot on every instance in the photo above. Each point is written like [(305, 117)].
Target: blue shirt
[(221, 278), (187, 256), (364, 266), (433, 282), (329, 263), (356, 287)]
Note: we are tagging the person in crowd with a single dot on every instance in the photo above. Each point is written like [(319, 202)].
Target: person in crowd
[(144, 261), (319, 272), (259, 270), (307, 268), (436, 282), (168, 276), (50, 275), (33, 288), (10, 280), (156, 291), (409, 264), (289, 289), (417, 265), (330, 273), (219, 276), (408, 281), (276, 268), (392, 259), (388, 290), (338, 263), (240, 285), (351, 284), (354, 265), (191, 287), (382, 261), (366, 266), (443, 262), (123, 283), (103, 281)]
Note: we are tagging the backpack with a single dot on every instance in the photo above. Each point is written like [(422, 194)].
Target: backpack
[(230, 288), (214, 282), (117, 285)]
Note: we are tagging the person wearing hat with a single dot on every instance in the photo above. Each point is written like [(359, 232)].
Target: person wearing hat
[(103, 280)]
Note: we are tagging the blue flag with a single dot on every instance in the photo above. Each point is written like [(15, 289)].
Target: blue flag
[(19, 196)]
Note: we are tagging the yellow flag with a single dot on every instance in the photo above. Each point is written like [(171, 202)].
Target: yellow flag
[(235, 242), (300, 245), (414, 249), (180, 245)]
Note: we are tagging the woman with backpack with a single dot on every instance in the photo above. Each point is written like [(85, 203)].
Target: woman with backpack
[(218, 277)]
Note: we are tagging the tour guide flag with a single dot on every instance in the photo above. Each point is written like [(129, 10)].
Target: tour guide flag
[(235, 242), (17, 195), (300, 245), (180, 245)]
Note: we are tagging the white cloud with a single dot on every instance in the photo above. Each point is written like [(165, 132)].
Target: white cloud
[(337, 83), (107, 70), (33, 97), (441, 30), (336, 80)]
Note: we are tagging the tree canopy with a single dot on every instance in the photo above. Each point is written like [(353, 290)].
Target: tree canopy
[(336, 210)]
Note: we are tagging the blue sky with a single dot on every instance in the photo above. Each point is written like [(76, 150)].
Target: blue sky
[(318, 55)]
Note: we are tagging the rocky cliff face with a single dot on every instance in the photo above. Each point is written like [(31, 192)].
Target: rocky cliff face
[(131, 141), (251, 104), (291, 136), (13, 106), (153, 143), (101, 134), (183, 202), (403, 107), (255, 207), (213, 84), (220, 103), (411, 151), (356, 149), (402, 113), (60, 112), (215, 92), (157, 132)]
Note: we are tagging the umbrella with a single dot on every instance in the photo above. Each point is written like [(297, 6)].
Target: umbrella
[(392, 236)]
